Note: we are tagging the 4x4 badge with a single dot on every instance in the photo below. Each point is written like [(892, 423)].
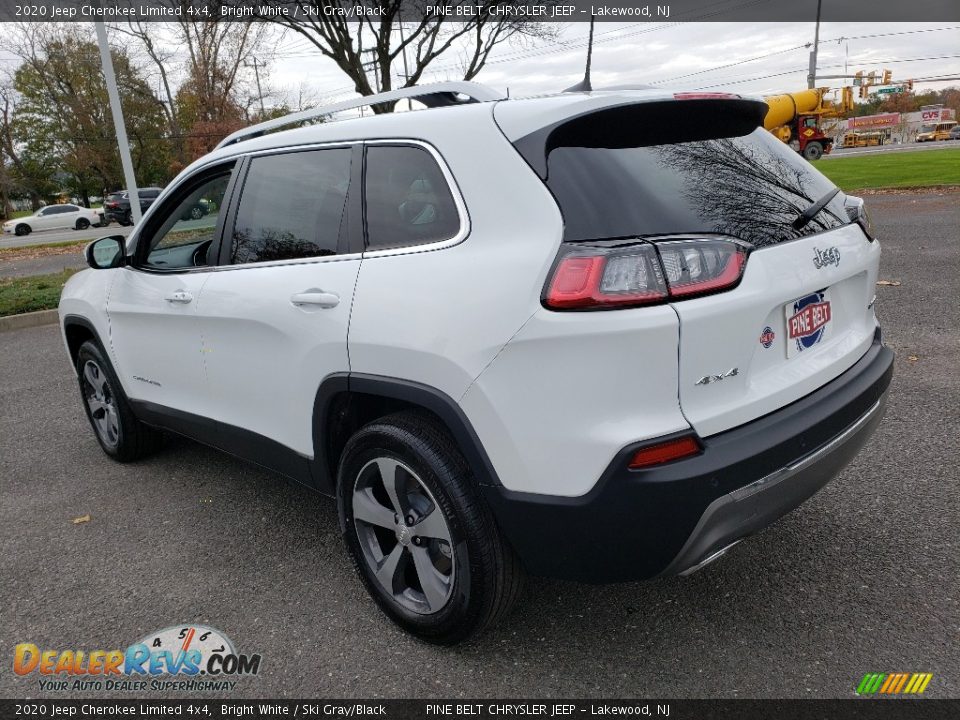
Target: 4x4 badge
[(830, 256), (707, 379)]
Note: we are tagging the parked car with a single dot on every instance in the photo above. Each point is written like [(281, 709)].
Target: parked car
[(954, 133), (55, 217), (117, 205), (197, 211), (614, 370)]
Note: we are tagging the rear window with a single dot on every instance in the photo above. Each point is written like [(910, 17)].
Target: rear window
[(751, 187)]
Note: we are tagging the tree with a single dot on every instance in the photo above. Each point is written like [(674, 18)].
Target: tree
[(26, 174), (63, 112), (413, 40), (215, 95)]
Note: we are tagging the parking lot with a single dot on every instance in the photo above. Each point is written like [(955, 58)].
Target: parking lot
[(862, 578)]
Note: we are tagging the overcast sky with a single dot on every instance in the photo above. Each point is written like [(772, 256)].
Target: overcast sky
[(678, 55), (670, 53)]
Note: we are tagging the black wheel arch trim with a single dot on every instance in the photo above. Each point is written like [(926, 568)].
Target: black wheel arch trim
[(80, 321), (407, 391)]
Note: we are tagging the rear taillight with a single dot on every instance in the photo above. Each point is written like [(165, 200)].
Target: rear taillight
[(598, 277), (664, 452), (857, 212), (605, 276), (697, 267)]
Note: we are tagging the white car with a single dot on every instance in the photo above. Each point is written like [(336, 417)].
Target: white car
[(54, 217), (599, 336)]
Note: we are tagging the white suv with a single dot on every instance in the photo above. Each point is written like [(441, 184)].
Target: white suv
[(598, 336)]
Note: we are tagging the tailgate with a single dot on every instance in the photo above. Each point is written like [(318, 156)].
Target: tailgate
[(801, 315)]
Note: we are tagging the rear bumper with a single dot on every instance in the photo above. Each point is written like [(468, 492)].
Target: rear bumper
[(669, 520)]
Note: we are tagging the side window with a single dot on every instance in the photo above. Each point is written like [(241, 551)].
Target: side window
[(408, 201), (186, 225), (292, 206)]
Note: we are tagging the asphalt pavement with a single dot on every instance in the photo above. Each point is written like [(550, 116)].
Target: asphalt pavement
[(862, 578), (41, 237)]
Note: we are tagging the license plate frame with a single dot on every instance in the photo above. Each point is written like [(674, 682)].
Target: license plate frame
[(808, 321)]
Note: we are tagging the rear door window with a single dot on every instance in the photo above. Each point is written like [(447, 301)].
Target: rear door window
[(292, 206), (751, 187), (408, 201)]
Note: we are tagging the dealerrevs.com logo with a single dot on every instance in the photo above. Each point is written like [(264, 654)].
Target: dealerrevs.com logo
[(182, 657)]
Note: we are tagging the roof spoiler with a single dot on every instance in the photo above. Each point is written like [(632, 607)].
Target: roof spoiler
[(640, 124)]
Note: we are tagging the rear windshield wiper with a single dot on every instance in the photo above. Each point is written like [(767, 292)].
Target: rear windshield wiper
[(804, 218)]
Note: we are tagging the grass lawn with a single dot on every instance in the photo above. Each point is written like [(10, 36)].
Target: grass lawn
[(923, 168), (55, 246), (26, 294)]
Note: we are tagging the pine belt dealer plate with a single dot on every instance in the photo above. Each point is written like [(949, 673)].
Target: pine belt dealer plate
[(808, 322)]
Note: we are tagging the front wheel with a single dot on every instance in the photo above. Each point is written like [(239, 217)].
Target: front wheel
[(422, 539), (813, 151), (121, 435), (196, 213), (22, 229), (82, 223)]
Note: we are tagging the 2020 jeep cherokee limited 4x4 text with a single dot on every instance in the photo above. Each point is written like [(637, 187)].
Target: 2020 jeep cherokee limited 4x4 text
[(599, 336)]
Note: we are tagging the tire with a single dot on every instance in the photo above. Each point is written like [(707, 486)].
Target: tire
[(813, 151), (125, 219), (22, 229), (82, 223), (120, 434), (474, 576), (196, 213)]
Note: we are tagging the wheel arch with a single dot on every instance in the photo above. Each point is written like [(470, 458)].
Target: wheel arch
[(76, 331), (345, 402)]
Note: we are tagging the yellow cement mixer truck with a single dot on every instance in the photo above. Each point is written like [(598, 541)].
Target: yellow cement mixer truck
[(795, 118)]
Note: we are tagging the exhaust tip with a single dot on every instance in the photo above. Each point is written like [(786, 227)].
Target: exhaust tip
[(709, 559)]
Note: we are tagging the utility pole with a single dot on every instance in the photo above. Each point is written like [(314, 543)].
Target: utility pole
[(812, 75), (406, 68), (256, 73), (118, 125)]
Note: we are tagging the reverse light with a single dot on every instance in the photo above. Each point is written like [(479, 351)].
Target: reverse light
[(665, 452), (598, 276)]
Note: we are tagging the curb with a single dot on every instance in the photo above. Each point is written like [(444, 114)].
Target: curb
[(29, 320)]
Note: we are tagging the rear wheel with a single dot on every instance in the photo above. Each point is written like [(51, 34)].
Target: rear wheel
[(117, 429), (125, 219), (813, 151), (424, 543), (22, 229), (196, 213)]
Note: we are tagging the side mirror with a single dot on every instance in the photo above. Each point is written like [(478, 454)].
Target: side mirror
[(107, 252)]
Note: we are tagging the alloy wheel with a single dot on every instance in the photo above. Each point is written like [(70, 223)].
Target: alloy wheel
[(100, 401), (404, 536)]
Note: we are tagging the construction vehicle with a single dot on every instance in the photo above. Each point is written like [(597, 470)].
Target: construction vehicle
[(796, 118)]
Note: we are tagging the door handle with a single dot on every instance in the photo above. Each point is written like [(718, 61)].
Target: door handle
[(180, 296), (318, 298)]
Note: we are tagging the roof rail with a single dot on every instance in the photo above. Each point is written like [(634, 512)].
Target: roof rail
[(435, 95)]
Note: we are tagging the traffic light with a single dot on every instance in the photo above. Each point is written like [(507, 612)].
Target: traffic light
[(909, 85), (887, 75), (871, 78)]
